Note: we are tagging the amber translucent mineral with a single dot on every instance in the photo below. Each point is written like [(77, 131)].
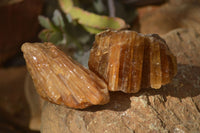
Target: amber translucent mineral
[(61, 80), (129, 61)]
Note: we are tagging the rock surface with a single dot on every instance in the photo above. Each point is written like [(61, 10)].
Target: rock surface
[(34, 102), (173, 108), (14, 112), (175, 14)]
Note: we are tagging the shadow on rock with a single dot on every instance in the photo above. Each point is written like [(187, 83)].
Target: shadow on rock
[(185, 84), (119, 101)]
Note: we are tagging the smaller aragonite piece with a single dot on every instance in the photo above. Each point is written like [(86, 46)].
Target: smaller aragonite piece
[(129, 61), (61, 80)]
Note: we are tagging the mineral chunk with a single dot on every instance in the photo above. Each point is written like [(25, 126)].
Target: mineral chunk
[(129, 61), (61, 80)]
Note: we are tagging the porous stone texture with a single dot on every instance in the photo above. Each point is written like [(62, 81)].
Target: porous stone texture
[(173, 108)]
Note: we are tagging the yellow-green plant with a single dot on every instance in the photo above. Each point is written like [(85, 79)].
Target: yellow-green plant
[(75, 25)]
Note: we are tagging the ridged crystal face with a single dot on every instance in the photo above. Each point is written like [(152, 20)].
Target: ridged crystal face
[(129, 61), (61, 80)]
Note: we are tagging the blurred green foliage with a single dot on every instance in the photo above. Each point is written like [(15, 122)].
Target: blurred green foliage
[(54, 29), (77, 21)]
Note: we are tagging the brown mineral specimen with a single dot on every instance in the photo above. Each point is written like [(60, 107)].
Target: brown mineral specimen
[(128, 61), (61, 80)]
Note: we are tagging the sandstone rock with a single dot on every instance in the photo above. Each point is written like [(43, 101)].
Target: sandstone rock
[(173, 108), (34, 102), (170, 16)]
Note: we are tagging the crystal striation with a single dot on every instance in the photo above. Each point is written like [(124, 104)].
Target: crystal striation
[(129, 61), (61, 80)]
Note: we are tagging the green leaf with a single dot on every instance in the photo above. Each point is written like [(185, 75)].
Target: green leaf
[(91, 29), (58, 19), (96, 21), (91, 21), (45, 22), (56, 37), (66, 4), (47, 35)]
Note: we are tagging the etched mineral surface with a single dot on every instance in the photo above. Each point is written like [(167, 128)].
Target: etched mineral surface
[(129, 61), (61, 80)]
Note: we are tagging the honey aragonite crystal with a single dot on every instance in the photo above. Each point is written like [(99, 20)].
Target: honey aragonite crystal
[(129, 61), (61, 80)]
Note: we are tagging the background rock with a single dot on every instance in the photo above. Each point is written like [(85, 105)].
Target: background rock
[(175, 14), (14, 112), (173, 108), (34, 102), (12, 98), (18, 24)]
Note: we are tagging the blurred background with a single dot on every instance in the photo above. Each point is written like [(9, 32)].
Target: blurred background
[(72, 25)]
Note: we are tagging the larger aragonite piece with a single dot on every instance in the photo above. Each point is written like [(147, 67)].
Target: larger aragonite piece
[(129, 61)]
